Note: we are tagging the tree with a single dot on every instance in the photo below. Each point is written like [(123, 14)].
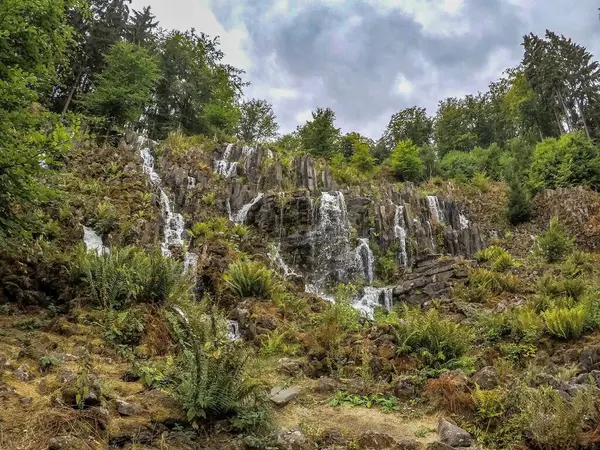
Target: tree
[(33, 38), (519, 207), (97, 30), (428, 155), (257, 121), (405, 162), (350, 141), (319, 136), (125, 87), (362, 158), (409, 124), (197, 93), (453, 127), (572, 160), (140, 28)]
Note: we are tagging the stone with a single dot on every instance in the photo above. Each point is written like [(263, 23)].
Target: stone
[(293, 440), (22, 373), (128, 409), (332, 436), (590, 358), (326, 385), (282, 396), (452, 434), (405, 389), (26, 401), (571, 356), (289, 367), (439, 446), (409, 445), (66, 443), (373, 440), (486, 378)]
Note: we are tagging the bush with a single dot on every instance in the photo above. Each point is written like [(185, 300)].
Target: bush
[(554, 422), (433, 337), (554, 287), (577, 264), (527, 324), (554, 244), (209, 229), (499, 258), (565, 323), (213, 382), (493, 282), (249, 279), (405, 161), (572, 160), (481, 182), (128, 275), (461, 165), (519, 209)]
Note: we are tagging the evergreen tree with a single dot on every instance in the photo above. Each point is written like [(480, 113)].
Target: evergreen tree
[(125, 87), (257, 121), (141, 26), (319, 136), (519, 208)]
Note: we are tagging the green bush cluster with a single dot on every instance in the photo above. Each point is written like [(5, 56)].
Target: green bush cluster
[(128, 275), (500, 260), (249, 279), (555, 244)]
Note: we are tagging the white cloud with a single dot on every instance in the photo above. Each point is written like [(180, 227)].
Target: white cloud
[(403, 86)]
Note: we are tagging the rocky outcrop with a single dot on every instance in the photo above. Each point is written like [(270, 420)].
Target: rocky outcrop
[(432, 277)]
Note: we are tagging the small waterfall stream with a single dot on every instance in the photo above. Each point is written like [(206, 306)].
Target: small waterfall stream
[(241, 216), (372, 298), (364, 259), (435, 210), (226, 166), (400, 233), (93, 242)]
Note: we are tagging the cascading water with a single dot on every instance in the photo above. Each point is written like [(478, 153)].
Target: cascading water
[(93, 242), (464, 222), (400, 234), (233, 330), (434, 209), (364, 259), (190, 262), (279, 263), (372, 298), (225, 166), (191, 184), (242, 214)]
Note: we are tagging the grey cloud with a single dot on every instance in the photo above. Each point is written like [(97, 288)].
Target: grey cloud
[(351, 65)]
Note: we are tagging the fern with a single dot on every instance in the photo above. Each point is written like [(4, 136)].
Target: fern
[(565, 323), (249, 279)]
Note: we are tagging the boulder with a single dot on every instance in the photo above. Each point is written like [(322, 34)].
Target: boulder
[(332, 437), (439, 446), (409, 445), (486, 378), (372, 440), (128, 409), (406, 388), (326, 385), (282, 396), (293, 440), (23, 373), (289, 367), (590, 358), (452, 434)]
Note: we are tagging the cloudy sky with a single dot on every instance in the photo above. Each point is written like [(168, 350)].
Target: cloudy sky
[(367, 59)]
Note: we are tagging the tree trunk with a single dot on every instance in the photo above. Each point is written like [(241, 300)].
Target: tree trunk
[(585, 127), (72, 91)]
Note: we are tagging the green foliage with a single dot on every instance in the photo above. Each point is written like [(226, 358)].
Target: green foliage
[(405, 161), (556, 287), (499, 258), (128, 275), (481, 182), (387, 404), (572, 160), (519, 207), (492, 326), (565, 323), (459, 165), (362, 158), (493, 282), (209, 199), (554, 422), (154, 374), (528, 324), (578, 264), (432, 337), (409, 124), (48, 362), (489, 404), (319, 135), (210, 229), (213, 381), (555, 244), (257, 121), (275, 343), (249, 279), (125, 87)]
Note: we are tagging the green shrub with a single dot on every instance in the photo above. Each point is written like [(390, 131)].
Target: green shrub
[(431, 336), (492, 326), (494, 282), (519, 209), (47, 362), (128, 275), (481, 182), (462, 165), (499, 258), (554, 244), (240, 231), (489, 404), (591, 303), (275, 343), (154, 374), (565, 323), (553, 422), (249, 279), (209, 199), (405, 161), (577, 264), (209, 229), (213, 380), (554, 287), (527, 324), (124, 328)]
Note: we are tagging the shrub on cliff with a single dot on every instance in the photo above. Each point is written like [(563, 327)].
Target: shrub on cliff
[(555, 244), (249, 279), (405, 161)]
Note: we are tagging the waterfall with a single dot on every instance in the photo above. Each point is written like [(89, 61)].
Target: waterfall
[(435, 211), (464, 222), (191, 184), (242, 214), (93, 242), (277, 260), (190, 263), (372, 298), (225, 166), (148, 165), (173, 225), (364, 259), (400, 234), (233, 330), (270, 154)]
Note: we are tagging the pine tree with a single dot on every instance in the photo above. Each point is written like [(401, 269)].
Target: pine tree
[(141, 26), (519, 207)]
